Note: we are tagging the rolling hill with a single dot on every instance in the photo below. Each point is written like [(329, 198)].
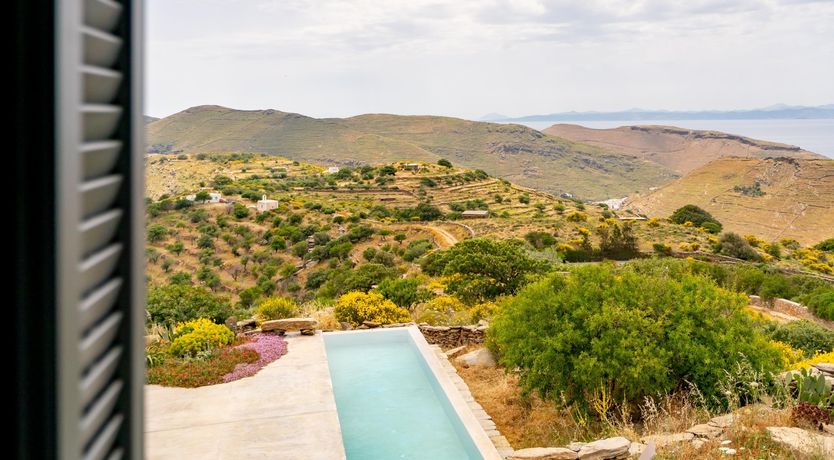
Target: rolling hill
[(772, 197), (678, 149), (517, 153)]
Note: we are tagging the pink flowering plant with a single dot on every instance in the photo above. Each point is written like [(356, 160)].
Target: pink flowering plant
[(268, 346)]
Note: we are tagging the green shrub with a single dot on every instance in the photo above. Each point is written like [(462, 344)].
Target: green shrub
[(733, 245), (696, 215), (199, 335), (805, 335), (416, 249), (662, 249), (156, 232), (827, 245), (629, 333), (821, 302), (402, 291), (712, 227), (357, 307), (444, 162), (540, 240), (177, 303), (485, 268), (277, 308)]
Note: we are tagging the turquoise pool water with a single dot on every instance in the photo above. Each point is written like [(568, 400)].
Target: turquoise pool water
[(390, 405)]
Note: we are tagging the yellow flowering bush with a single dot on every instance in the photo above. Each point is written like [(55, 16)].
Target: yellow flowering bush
[(576, 216), (564, 247), (199, 335), (754, 241), (357, 307), (827, 357), (482, 311), (653, 222), (789, 354), (583, 231), (442, 310), (684, 247), (276, 308), (688, 223)]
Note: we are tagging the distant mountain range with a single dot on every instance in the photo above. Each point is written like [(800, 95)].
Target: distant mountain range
[(778, 111)]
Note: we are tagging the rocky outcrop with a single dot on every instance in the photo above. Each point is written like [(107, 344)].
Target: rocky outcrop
[(803, 441), (454, 336), (477, 358)]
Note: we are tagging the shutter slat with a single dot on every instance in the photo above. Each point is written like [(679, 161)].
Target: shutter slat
[(98, 194), (96, 268), (98, 230), (98, 302), (104, 441), (99, 375), (100, 48), (100, 85), (105, 282), (98, 413), (100, 121), (102, 14), (99, 157), (100, 337)]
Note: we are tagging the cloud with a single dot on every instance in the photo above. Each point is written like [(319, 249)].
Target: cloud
[(466, 57)]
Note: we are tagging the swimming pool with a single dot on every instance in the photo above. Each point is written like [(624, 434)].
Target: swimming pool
[(395, 401)]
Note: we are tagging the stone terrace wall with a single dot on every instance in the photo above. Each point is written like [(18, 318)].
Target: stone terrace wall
[(453, 336)]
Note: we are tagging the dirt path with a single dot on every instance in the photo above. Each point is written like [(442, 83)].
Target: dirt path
[(442, 236)]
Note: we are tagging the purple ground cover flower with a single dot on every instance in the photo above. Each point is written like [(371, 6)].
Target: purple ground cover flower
[(269, 346)]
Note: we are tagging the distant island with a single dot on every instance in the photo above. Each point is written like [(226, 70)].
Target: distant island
[(779, 111)]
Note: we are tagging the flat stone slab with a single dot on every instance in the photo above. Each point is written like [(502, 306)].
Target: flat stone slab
[(605, 448), (722, 421), (706, 430), (289, 324), (661, 440), (543, 453)]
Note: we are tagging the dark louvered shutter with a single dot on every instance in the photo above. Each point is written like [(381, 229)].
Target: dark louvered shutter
[(99, 201)]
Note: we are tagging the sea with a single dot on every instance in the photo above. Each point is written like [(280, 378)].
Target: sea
[(815, 135)]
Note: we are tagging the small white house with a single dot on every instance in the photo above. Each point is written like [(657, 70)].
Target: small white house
[(411, 166), (266, 205), (475, 214), (214, 197), (332, 170)]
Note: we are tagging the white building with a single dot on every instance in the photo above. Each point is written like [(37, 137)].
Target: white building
[(214, 197), (266, 205), (332, 170)]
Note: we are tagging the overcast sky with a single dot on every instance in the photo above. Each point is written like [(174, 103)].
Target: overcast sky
[(470, 57)]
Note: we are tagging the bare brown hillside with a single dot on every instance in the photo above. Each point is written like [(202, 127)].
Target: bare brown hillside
[(679, 149), (793, 199)]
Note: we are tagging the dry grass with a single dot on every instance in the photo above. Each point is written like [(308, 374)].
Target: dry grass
[(524, 421), (532, 422)]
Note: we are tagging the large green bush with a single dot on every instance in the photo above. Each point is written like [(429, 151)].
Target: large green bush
[(821, 302), (485, 268), (177, 303), (805, 335), (696, 215), (630, 333)]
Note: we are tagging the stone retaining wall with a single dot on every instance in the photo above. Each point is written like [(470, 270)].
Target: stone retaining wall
[(453, 336)]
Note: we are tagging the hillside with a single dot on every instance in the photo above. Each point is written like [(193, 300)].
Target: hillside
[(793, 199), (678, 149), (517, 153)]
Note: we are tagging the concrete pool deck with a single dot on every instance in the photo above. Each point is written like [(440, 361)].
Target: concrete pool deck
[(286, 411)]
